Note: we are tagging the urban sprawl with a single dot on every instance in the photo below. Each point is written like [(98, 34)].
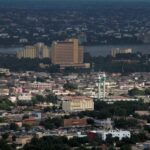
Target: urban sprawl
[(56, 96)]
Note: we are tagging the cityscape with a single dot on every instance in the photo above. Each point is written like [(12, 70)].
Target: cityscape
[(56, 95)]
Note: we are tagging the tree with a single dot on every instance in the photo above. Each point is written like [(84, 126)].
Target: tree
[(141, 137), (13, 138), (109, 139), (125, 123), (47, 109), (40, 98), (4, 145), (5, 104), (47, 143), (5, 136), (126, 147), (136, 91), (147, 91), (51, 98), (70, 86), (111, 148), (90, 121), (14, 126), (52, 123)]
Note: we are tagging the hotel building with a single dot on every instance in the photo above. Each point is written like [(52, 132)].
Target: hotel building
[(68, 54), (38, 50)]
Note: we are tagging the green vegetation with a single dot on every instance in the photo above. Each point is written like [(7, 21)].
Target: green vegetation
[(120, 63), (126, 147), (62, 143), (104, 110), (2, 120), (27, 64), (70, 86), (136, 91), (50, 98), (52, 123), (5, 104), (5, 146), (100, 63), (54, 143), (125, 123), (14, 126)]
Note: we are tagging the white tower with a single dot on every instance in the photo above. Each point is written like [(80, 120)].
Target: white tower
[(104, 91), (101, 81), (99, 86)]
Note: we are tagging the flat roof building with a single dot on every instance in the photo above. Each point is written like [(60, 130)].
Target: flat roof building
[(38, 50), (114, 133), (67, 53), (116, 51), (77, 103)]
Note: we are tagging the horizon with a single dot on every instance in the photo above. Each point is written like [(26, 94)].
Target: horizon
[(67, 3), (20, 1)]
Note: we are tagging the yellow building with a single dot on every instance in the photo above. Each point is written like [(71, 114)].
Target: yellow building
[(116, 51), (38, 50), (67, 53), (77, 103)]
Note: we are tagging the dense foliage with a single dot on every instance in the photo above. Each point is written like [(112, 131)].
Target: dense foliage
[(104, 110), (52, 123), (5, 104), (125, 63), (27, 64), (122, 63), (70, 86), (54, 143), (136, 91)]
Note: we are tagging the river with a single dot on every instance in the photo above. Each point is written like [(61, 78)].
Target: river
[(102, 50)]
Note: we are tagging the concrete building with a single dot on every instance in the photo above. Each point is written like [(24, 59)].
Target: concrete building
[(75, 122), (114, 133), (38, 50), (112, 99), (77, 103), (4, 70), (116, 51), (4, 92), (107, 124), (25, 97), (68, 54), (22, 140), (40, 85)]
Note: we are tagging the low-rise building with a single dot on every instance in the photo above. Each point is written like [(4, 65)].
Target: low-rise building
[(25, 97), (4, 92), (116, 51), (77, 103), (75, 122), (107, 124), (38, 50), (114, 133), (41, 85), (22, 140)]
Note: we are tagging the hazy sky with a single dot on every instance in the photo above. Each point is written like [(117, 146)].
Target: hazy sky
[(73, 0), (7, 2)]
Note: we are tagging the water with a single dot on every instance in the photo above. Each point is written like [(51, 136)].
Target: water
[(102, 50), (10, 50)]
